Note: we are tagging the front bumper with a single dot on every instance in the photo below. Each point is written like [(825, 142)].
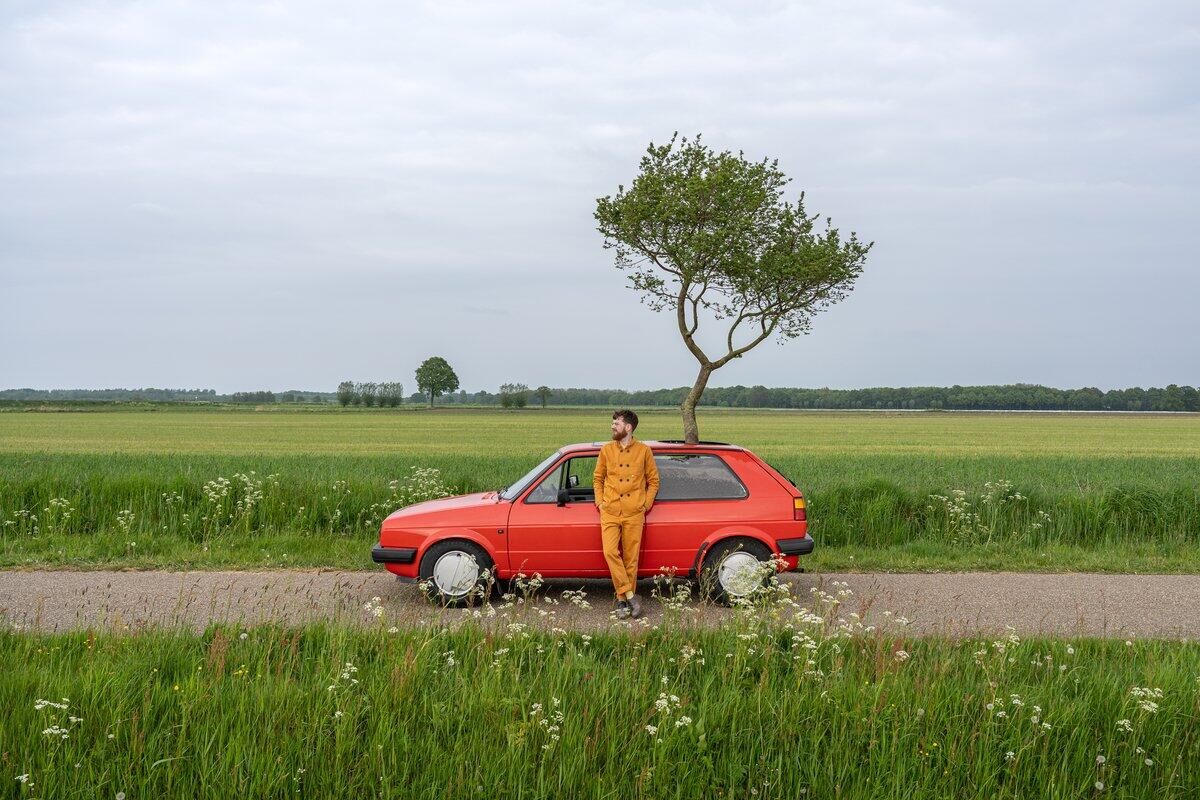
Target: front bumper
[(801, 546), (393, 555)]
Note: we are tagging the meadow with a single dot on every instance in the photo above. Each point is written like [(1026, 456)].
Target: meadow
[(784, 701), (206, 488)]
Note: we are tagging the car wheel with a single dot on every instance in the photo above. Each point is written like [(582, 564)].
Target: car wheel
[(734, 569), (456, 573)]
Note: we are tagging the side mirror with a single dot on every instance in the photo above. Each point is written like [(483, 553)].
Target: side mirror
[(564, 497), (572, 481)]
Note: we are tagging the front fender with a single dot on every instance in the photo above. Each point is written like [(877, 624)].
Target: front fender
[(470, 536)]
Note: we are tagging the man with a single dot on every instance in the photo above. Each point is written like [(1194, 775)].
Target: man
[(626, 482)]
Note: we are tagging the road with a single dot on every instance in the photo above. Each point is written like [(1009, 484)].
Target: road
[(948, 604)]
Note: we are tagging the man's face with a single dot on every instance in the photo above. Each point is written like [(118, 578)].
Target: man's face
[(621, 428)]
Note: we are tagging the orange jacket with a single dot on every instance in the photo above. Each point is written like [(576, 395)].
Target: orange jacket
[(626, 479)]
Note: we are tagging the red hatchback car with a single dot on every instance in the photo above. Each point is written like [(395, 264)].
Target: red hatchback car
[(720, 509)]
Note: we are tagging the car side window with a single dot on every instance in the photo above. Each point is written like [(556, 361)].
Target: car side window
[(697, 476), (574, 475), (580, 472), (547, 490)]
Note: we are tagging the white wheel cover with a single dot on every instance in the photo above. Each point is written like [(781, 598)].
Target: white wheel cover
[(455, 573), (740, 574)]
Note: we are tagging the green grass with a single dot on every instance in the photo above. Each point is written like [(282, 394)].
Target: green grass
[(761, 711), (1103, 492)]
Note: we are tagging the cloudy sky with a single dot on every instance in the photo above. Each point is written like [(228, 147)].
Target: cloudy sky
[(274, 195)]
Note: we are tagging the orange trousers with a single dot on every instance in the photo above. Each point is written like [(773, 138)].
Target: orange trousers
[(621, 538)]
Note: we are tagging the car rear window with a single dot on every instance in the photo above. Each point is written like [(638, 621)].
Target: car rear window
[(697, 476)]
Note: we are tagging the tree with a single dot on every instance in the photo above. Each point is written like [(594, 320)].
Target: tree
[(543, 393), (701, 230), (390, 394), (345, 393), (435, 377), (514, 395), (369, 392)]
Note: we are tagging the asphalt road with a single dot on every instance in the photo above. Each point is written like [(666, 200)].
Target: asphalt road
[(949, 604)]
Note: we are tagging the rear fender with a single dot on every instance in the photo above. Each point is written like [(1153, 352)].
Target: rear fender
[(730, 532)]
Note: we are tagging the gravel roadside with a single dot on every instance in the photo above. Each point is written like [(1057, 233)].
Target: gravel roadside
[(947, 604)]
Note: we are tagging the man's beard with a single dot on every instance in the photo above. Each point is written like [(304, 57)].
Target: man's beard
[(618, 437)]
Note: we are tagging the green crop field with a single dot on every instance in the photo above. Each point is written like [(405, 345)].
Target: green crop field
[(778, 703), (165, 486)]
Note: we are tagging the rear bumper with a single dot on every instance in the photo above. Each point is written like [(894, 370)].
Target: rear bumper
[(393, 555), (801, 546)]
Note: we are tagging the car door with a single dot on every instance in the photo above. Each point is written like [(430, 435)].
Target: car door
[(556, 540)]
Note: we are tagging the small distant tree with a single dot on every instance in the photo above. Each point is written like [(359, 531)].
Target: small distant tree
[(514, 395), (543, 393), (436, 377), (370, 394), (701, 230), (345, 393), (391, 394)]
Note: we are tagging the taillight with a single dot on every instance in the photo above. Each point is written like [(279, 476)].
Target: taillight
[(800, 512)]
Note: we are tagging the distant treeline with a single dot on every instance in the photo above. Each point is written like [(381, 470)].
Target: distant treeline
[(1016, 397), (152, 395)]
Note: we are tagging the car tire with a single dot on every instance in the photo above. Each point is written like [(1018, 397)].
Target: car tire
[(728, 569), (452, 573)]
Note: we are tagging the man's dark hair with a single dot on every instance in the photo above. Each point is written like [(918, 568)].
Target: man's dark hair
[(627, 416)]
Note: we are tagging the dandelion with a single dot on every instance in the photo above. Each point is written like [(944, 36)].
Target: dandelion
[(1099, 786), (1149, 762), (244, 636), (1100, 759)]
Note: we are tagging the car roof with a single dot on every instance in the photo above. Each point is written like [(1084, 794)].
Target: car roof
[(654, 444)]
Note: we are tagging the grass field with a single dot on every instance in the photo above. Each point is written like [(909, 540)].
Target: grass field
[(778, 704), (887, 490)]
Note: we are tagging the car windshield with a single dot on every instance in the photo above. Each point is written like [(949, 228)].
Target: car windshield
[(512, 491)]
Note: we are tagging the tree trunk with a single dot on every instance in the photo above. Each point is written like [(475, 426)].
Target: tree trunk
[(691, 433)]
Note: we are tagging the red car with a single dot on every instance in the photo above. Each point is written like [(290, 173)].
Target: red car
[(720, 509)]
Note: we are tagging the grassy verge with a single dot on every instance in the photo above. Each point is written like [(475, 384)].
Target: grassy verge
[(179, 511), (236, 488), (787, 707)]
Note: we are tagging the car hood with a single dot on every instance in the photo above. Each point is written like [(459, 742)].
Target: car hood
[(443, 507)]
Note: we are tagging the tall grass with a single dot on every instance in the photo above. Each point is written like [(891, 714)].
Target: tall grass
[(780, 703), (178, 488)]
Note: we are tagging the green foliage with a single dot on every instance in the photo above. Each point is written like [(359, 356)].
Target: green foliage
[(543, 393), (436, 377), (345, 393), (702, 228)]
